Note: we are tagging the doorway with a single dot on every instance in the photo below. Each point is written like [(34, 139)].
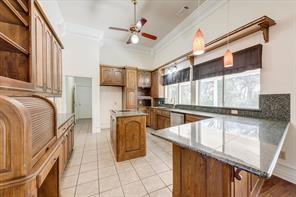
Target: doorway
[(79, 97)]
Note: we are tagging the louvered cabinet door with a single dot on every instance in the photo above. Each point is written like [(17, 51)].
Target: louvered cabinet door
[(48, 60)]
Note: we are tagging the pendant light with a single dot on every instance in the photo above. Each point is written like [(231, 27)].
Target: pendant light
[(198, 46), (228, 56)]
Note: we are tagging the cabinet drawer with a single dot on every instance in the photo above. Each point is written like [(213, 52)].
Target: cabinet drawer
[(44, 172), (163, 113), (62, 129)]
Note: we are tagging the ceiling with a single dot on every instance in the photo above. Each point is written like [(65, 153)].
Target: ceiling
[(100, 14)]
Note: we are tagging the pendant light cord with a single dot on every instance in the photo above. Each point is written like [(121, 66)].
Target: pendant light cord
[(135, 11), (227, 15)]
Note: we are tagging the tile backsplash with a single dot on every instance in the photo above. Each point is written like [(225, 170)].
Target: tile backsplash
[(271, 106)]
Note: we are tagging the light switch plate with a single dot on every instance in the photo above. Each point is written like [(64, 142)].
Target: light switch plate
[(234, 112)]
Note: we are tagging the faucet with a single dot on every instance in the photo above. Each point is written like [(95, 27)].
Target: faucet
[(174, 102)]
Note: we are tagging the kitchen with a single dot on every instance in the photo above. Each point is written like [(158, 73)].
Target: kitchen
[(196, 99)]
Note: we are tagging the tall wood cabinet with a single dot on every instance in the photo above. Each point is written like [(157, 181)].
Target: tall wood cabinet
[(29, 49), (157, 88), (130, 88)]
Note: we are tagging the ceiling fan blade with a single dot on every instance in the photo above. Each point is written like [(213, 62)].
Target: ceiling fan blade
[(150, 36), (141, 23), (119, 29)]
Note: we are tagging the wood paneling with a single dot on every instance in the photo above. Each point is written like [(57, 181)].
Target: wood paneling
[(48, 60), (128, 137), (198, 175)]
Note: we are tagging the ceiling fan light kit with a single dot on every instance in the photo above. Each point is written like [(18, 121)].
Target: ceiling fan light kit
[(135, 29)]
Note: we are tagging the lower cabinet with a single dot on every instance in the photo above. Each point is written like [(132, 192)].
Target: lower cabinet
[(146, 110), (66, 149), (153, 118), (163, 122)]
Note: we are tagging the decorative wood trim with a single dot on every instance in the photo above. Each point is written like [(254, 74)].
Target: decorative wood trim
[(12, 45), (261, 24), (16, 13), (24, 7), (38, 6)]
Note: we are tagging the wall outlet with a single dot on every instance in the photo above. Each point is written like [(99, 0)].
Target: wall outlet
[(234, 112), (283, 155)]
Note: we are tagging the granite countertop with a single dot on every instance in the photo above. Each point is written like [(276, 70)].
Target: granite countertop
[(250, 144), (62, 118), (127, 113)]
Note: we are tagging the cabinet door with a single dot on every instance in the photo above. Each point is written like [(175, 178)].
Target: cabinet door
[(131, 99), (106, 75), (38, 51), (55, 66), (147, 79), (62, 159), (157, 89), (117, 78), (59, 69), (141, 79), (48, 60), (131, 79), (153, 119)]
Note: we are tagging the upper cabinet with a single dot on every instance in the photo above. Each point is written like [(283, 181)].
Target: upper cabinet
[(130, 88), (111, 76), (27, 49), (157, 88), (144, 79)]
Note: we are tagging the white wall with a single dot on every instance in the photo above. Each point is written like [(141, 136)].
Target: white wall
[(111, 98), (119, 54), (69, 93), (279, 60)]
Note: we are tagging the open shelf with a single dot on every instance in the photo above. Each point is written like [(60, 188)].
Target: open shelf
[(7, 44), (12, 14)]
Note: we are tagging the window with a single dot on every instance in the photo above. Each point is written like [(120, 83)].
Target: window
[(210, 91), (239, 90), (171, 94), (185, 93), (242, 90)]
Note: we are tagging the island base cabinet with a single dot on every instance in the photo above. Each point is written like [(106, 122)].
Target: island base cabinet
[(128, 135), (198, 175)]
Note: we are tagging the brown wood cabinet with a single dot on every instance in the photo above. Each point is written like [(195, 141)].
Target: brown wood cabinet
[(111, 76), (144, 79), (130, 89), (26, 49), (157, 88), (146, 110), (163, 119), (153, 118), (197, 175), (128, 137)]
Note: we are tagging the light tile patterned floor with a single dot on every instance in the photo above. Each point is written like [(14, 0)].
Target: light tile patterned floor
[(93, 171)]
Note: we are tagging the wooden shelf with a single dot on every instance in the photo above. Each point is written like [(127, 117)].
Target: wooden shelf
[(261, 24), (16, 13), (6, 44)]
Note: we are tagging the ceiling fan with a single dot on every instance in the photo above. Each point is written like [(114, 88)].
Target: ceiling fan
[(135, 29)]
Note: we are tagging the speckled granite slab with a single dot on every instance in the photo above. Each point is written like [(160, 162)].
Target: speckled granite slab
[(126, 113), (250, 144)]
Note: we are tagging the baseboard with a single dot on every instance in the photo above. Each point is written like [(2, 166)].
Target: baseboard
[(285, 172)]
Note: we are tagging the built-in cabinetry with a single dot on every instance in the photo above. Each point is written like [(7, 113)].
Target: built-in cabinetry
[(163, 119), (144, 79), (153, 118), (130, 89), (34, 148), (111, 76), (147, 111), (193, 118), (157, 88), (30, 51)]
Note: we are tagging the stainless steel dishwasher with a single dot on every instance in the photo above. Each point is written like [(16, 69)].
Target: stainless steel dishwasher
[(177, 119)]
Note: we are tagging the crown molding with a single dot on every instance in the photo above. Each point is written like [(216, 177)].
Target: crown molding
[(198, 15), (84, 31)]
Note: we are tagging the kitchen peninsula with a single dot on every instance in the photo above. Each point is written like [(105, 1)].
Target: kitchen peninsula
[(128, 134), (224, 155)]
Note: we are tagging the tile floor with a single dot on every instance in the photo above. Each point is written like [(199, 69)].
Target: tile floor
[(93, 171)]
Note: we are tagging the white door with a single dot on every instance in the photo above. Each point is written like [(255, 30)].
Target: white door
[(83, 103)]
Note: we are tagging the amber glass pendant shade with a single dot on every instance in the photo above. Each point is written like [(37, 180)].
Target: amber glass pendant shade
[(228, 59), (198, 46)]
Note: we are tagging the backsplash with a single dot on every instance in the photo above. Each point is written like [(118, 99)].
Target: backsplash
[(271, 106)]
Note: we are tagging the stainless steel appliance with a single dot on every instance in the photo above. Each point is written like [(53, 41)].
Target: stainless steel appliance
[(177, 119)]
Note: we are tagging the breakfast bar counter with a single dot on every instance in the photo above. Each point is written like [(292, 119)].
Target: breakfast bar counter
[(225, 155)]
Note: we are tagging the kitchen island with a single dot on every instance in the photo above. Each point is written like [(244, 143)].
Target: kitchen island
[(128, 134), (224, 156)]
